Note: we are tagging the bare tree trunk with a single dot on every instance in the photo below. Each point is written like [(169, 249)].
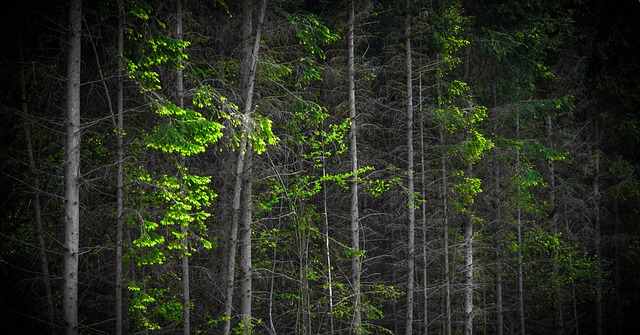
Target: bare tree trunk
[(245, 246), (326, 241), (598, 237), (72, 173), (184, 259), (353, 149), (37, 209), (468, 234), (519, 275), (445, 222), (423, 193), (411, 215), (445, 240), (497, 245), (120, 177), (468, 267), (557, 297), (252, 49)]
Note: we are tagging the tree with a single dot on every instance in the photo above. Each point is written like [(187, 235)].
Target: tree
[(72, 173), (120, 177), (356, 327), (411, 203)]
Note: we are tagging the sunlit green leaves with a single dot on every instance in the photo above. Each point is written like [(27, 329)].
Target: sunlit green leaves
[(262, 134), (185, 131)]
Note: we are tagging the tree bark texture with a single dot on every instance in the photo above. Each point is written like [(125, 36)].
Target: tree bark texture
[(120, 177), (353, 185), (411, 203), (72, 173)]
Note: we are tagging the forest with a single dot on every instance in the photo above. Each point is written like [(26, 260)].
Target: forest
[(320, 167)]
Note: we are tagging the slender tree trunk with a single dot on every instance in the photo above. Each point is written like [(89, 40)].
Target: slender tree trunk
[(245, 246), (497, 245), (519, 275), (411, 215), (184, 259), (423, 193), (72, 173), (243, 177), (468, 234), (353, 185), (327, 240), (559, 322), (618, 320), (468, 267), (598, 237), (446, 282), (445, 239), (37, 209), (120, 177)]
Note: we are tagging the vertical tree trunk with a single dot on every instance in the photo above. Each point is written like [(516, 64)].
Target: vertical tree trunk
[(445, 239), (72, 173), (37, 209), (446, 282), (557, 297), (245, 246), (184, 259), (497, 245), (468, 234), (353, 185), (423, 193), (597, 232), (327, 240), (243, 175), (468, 267), (618, 320), (519, 275), (120, 177), (411, 215)]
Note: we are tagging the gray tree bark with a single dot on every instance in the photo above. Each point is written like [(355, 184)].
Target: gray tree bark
[(353, 185), (468, 268), (37, 209), (497, 245), (72, 173), (557, 297), (519, 274), (252, 49), (411, 213), (120, 181)]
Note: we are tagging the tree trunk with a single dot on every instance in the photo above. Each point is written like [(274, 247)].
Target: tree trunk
[(353, 185), (72, 173), (445, 239), (423, 193), (245, 246), (519, 275), (37, 209), (497, 245), (598, 235), (120, 177), (184, 259), (411, 215), (243, 177), (468, 267), (557, 297), (327, 239), (468, 233)]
